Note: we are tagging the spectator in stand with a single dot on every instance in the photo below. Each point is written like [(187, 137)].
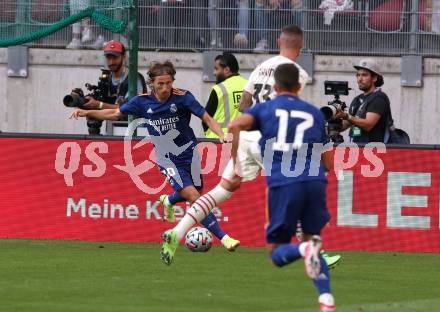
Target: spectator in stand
[(81, 32), (297, 6), (241, 38), (330, 7), (272, 12), (170, 19), (179, 23), (261, 17)]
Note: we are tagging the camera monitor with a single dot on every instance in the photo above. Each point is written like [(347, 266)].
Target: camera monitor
[(336, 87)]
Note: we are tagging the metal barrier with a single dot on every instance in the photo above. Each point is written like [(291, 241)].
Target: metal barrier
[(376, 27)]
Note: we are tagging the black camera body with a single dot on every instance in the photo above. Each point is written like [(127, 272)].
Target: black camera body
[(334, 126), (100, 92)]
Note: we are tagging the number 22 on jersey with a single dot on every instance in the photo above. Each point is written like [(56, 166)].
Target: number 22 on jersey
[(259, 87)]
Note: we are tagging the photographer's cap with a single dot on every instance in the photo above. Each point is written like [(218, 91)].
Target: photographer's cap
[(114, 48), (371, 65)]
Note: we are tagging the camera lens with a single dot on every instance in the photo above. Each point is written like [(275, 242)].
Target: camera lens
[(72, 100), (328, 112), (68, 101)]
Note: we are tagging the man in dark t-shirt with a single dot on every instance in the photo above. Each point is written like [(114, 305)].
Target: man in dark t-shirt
[(369, 113)]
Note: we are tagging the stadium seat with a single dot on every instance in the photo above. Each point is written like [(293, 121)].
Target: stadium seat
[(344, 28), (426, 16), (387, 17)]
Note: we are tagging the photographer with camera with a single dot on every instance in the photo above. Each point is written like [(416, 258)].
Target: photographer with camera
[(112, 89), (369, 114)]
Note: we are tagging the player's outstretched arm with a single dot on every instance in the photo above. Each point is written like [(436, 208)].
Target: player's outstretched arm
[(246, 101), (103, 114), (214, 126)]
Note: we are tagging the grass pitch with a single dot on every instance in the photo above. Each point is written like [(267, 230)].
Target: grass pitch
[(79, 276)]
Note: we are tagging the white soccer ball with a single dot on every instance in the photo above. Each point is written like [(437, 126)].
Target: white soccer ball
[(198, 239)]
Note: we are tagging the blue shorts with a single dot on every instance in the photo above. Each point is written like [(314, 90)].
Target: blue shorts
[(183, 175), (299, 201)]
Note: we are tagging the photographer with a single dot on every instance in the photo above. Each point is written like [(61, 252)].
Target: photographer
[(115, 93), (370, 112)]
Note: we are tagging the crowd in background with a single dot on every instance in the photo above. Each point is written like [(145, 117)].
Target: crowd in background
[(250, 25)]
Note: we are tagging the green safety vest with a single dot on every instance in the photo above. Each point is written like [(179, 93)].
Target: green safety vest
[(229, 93)]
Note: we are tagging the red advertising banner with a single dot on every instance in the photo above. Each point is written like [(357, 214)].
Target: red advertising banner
[(384, 200)]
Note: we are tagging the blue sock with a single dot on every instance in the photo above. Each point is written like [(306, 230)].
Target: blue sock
[(175, 198), (210, 222), (285, 254), (322, 283)]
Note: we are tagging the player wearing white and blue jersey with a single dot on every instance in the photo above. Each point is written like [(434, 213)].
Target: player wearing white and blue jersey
[(292, 131), (166, 114)]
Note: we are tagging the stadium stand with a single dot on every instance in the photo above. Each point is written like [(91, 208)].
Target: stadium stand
[(381, 27)]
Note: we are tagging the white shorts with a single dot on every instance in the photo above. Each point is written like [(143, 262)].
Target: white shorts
[(249, 161)]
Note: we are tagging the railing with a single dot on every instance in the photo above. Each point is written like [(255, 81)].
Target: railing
[(376, 27)]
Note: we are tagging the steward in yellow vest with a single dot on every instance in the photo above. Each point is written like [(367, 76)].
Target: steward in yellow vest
[(225, 96)]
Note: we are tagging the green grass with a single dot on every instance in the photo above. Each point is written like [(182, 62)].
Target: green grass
[(78, 276)]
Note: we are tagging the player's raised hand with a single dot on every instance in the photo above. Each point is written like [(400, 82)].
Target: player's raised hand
[(78, 113)]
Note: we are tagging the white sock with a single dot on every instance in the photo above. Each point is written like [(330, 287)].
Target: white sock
[(200, 209), (223, 239), (184, 225), (219, 194), (327, 299), (302, 249)]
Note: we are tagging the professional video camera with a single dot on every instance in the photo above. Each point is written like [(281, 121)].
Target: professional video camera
[(101, 92), (334, 126)]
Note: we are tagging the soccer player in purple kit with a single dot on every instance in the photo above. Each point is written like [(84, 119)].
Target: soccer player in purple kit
[(292, 131), (167, 112)]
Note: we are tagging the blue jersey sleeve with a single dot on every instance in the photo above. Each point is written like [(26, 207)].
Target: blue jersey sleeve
[(193, 105), (132, 107), (255, 112)]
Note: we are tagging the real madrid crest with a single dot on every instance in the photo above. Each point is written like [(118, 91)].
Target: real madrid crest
[(173, 108)]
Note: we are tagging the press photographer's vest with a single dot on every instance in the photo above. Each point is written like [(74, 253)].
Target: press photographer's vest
[(229, 93), (357, 134)]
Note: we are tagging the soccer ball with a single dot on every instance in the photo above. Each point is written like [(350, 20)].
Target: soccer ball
[(198, 239)]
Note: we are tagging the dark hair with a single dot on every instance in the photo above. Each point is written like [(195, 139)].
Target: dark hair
[(228, 60), (292, 30), (292, 37), (161, 69), (287, 76)]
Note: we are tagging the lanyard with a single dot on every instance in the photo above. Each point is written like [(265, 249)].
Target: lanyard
[(120, 81)]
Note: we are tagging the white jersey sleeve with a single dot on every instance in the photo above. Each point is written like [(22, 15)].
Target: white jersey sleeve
[(262, 80), (249, 87), (303, 78)]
